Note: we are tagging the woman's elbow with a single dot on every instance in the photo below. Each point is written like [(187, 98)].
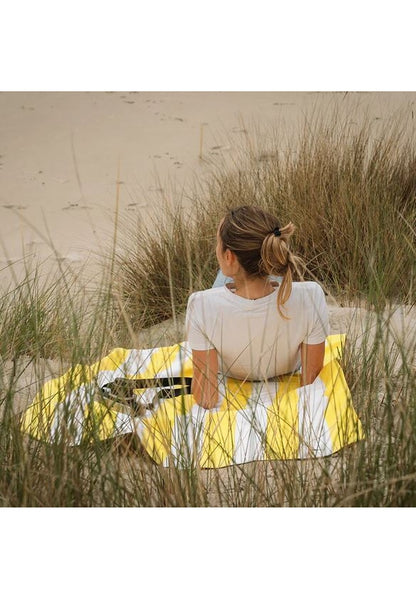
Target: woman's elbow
[(204, 399), (309, 377), (207, 404)]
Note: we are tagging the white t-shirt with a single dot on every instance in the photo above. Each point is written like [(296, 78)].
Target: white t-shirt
[(251, 338)]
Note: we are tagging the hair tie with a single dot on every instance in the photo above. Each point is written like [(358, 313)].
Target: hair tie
[(276, 232)]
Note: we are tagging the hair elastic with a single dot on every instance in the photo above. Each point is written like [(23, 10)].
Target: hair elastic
[(276, 232)]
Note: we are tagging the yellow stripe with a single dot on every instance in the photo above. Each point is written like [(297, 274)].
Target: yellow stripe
[(187, 368), (237, 394), (282, 437), (219, 439), (99, 422), (334, 347), (157, 435), (160, 360), (287, 383), (342, 420), (110, 362)]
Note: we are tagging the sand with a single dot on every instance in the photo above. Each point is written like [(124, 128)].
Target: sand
[(59, 156)]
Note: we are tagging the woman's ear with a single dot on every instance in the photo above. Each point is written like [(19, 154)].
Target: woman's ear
[(230, 259)]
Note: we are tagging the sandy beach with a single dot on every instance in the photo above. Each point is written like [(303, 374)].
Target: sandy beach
[(60, 154)]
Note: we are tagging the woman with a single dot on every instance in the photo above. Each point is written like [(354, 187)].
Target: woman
[(255, 328)]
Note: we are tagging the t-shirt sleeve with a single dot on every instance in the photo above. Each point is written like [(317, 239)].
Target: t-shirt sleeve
[(195, 330), (319, 327)]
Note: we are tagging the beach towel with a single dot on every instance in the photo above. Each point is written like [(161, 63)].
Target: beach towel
[(147, 392)]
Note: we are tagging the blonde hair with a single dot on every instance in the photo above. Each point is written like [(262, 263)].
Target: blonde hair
[(262, 247)]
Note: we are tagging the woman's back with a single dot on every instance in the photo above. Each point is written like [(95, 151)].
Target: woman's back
[(251, 338)]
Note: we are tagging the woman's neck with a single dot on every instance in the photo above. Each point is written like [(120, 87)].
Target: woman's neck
[(253, 288)]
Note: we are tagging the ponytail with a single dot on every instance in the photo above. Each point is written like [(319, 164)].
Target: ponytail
[(277, 259)]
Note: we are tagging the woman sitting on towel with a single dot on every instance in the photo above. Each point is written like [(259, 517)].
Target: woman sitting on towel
[(262, 324)]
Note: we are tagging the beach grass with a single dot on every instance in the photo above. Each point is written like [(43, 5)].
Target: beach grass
[(351, 191)]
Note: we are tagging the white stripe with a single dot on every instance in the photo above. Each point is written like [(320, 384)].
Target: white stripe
[(174, 369), (124, 424), (266, 391), (57, 415), (138, 361), (138, 425), (70, 414), (198, 416), (315, 439), (187, 437), (250, 433), (135, 361), (107, 376), (180, 449)]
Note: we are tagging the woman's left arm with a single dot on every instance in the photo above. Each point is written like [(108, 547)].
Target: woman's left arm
[(205, 380)]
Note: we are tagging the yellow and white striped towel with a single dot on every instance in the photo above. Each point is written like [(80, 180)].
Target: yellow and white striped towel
[(275, 419)]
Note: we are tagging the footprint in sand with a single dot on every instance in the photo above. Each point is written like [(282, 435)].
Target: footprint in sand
[(131, 207), (13, 206), (74, 206), (129, 102), (265, 156), (216, 149)]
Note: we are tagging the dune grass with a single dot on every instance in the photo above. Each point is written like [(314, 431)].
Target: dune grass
[(351, 191)]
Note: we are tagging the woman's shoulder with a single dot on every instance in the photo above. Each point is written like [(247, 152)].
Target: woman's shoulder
[(206, 295), (307, 286), (308, 290)]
